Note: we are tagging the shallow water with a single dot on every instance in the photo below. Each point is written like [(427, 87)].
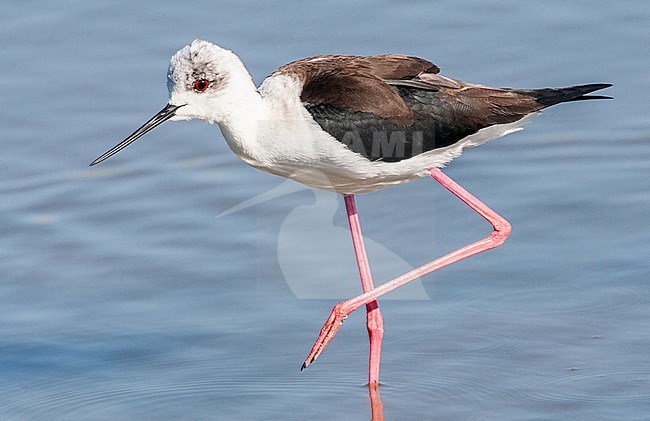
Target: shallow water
[(125, 295)]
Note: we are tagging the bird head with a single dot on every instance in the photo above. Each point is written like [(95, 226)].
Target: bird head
[(202, 79)]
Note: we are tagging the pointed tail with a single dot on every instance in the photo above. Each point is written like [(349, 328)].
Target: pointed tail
[(551, 96)]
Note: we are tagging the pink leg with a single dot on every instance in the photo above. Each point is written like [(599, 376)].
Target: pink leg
[(374, 320), (495, 239)]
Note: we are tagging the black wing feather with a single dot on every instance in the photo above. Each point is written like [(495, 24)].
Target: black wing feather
[(442, 116)]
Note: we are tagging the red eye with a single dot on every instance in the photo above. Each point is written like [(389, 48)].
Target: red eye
[(201, 85)]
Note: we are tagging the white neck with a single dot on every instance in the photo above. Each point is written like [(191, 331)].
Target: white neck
[(269, 127), (239, 113)]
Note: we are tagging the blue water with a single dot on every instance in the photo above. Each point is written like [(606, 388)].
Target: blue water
[(124, 294)]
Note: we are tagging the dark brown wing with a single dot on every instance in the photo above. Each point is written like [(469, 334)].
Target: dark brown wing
[(441, 117), (397, 66), (393, 107), (355, 83)]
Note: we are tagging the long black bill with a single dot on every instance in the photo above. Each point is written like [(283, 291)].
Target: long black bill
[(162, 116)]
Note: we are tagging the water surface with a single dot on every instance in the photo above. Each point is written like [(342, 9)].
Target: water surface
[(124, 296)]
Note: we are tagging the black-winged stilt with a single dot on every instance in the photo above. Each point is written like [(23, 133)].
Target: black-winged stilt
[(352, 124)]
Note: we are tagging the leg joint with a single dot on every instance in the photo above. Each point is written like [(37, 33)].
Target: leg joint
[(502, 229)]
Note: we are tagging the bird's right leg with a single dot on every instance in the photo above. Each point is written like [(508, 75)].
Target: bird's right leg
[(374, 321), (501, 230)]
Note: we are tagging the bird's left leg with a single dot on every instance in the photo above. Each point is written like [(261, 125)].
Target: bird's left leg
[(501, 230)]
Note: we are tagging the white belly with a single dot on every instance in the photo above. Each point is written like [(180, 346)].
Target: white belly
[(303, 152)]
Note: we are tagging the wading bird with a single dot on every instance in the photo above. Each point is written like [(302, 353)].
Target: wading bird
[(352, 124)]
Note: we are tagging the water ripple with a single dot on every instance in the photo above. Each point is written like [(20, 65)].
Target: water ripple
[(78, 396), (548, 301), (449, 343), (592, 386)]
